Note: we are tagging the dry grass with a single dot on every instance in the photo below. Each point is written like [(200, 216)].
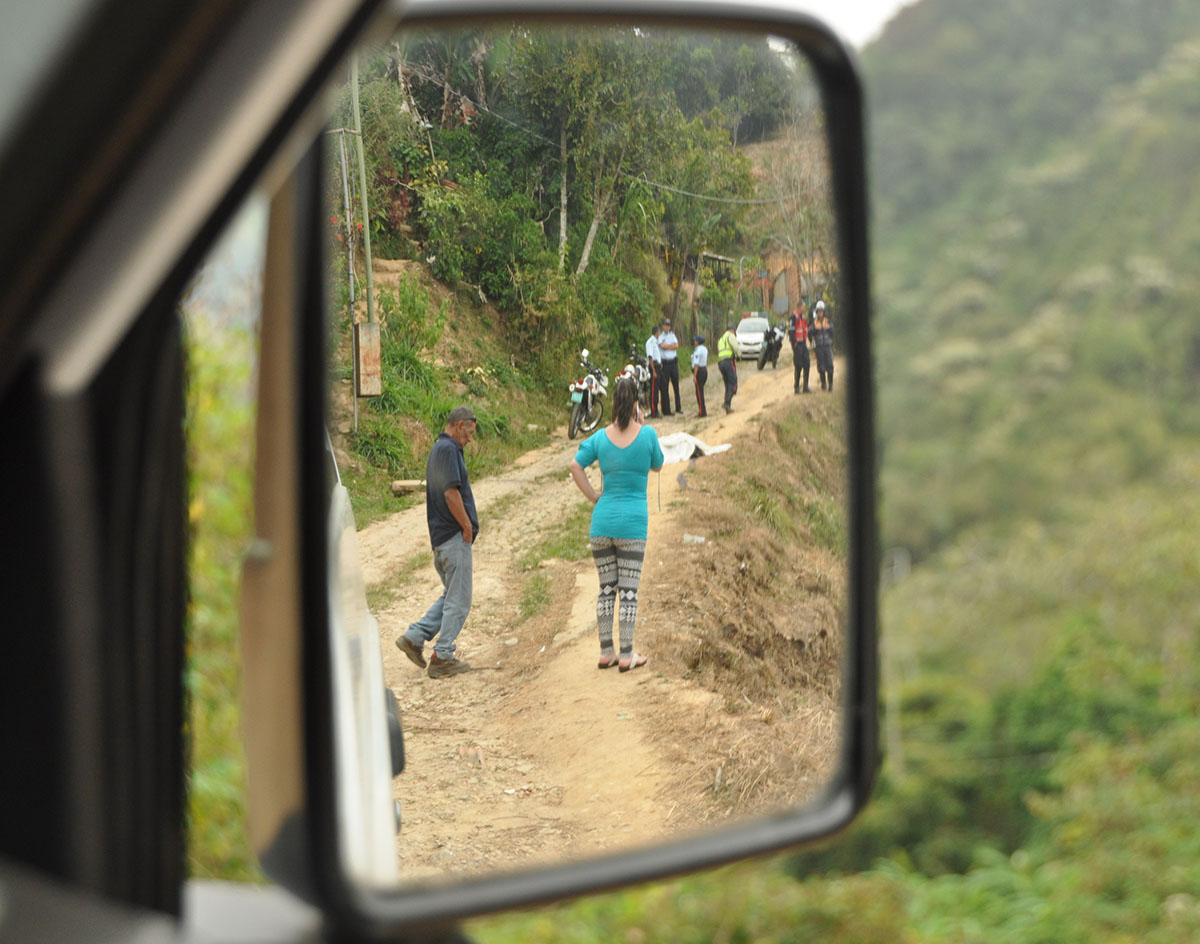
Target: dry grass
[(754, 616)]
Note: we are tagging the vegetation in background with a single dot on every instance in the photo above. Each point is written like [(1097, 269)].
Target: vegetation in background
[(556, 182), (1039, 365), (520, 184), (1039, 307), (396, 430), (219, 513)]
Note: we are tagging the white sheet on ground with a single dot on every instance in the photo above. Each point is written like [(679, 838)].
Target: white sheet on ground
[(679, 447)]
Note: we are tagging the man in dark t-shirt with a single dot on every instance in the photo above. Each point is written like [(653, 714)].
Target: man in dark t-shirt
[(453, 525)]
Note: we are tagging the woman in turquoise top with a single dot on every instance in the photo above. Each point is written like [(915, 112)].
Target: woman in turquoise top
[(626, 451)]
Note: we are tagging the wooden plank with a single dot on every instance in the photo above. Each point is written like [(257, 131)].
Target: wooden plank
[(406, 486), (368, 361)]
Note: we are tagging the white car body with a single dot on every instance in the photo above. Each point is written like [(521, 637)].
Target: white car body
[(750, 333), (367, 813)]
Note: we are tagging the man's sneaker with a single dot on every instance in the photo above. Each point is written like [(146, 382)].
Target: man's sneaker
[(440, 668), (410, 649)]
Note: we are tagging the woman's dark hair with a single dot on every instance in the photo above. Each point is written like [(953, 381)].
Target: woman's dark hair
[(625, 398)]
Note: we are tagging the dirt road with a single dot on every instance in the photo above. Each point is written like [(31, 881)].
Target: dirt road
[(536, 755)]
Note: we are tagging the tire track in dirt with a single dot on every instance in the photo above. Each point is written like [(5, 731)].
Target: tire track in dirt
[(536, 756)]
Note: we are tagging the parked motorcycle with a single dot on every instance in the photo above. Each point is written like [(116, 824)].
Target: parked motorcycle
[(638, 368), (772, 344), (587, 398)]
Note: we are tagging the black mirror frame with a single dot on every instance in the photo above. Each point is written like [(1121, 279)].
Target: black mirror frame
[(375, 911), (111, 208)]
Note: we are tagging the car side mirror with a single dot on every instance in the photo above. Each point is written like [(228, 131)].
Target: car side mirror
[(300, 778)]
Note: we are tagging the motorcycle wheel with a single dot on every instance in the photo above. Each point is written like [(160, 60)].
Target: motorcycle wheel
[(573, 423), (592, 420), (762, 358)]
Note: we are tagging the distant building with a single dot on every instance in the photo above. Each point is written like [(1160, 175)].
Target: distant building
[(786, 284)]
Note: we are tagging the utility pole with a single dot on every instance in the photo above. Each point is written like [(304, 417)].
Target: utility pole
[(368, 377), (362, 187)]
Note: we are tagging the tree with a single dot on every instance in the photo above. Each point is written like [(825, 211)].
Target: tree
[(803, 222), (705, 209), (604, 96), (541, 61), (744, 77)]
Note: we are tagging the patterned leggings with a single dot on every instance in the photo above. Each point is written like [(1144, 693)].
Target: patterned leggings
[(619, 563)]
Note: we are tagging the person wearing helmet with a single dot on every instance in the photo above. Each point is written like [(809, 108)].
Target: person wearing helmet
[(823, 345)]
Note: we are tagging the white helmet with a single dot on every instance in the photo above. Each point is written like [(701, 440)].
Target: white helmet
[(820, 306)]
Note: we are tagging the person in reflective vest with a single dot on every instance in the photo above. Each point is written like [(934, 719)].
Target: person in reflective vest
[(800, 362), (726, 364)]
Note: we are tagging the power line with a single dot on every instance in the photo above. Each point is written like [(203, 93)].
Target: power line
[(704, 196), (433, 80)]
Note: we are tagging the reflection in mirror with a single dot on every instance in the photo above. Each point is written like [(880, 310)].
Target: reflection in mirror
[(500, 199)]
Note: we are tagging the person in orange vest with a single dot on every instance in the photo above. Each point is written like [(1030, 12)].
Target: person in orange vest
[(798, 336)]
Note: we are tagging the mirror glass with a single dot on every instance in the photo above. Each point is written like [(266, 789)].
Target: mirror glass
[(552, 227)]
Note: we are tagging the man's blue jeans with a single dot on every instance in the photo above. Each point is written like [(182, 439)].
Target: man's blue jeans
[(445, 618)]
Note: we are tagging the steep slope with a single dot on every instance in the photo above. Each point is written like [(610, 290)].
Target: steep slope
[(1032, 331), (961, 89)]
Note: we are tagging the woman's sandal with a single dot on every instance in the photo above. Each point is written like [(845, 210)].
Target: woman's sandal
[(633, 662), (607, 662)]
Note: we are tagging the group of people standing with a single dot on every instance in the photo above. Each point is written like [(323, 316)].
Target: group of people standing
[(626, 450), (815, 332), (662, 357)]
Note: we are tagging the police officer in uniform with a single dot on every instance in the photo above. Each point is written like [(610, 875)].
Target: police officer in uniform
[(669, 344), (654, 362), (700, 371)]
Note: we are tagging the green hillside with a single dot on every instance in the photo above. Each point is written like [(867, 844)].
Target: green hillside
[(1039, 310), (1039, 363), (535, 192), (1034, 174), (1036, 193), (961, 90)]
